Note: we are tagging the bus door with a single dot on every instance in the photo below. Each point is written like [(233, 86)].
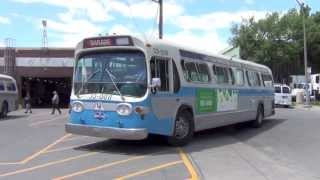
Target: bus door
[(164, 100)]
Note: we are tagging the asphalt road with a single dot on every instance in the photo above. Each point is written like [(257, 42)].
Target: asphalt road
[(36, 147)]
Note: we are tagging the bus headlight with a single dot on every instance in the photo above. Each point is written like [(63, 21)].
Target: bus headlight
[(77, 107), (124, 109)]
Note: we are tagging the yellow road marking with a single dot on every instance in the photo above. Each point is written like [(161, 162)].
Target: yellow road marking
[(44, 149), (68, 147), (75, 138), (98, 168), (46, 121), (47, 164), (150, 170), (27, 159), (188, 164)]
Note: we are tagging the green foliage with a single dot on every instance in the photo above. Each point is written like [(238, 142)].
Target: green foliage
[(277, 41)]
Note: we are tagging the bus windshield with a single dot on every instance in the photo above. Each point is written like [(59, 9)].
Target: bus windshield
[(119, 73)]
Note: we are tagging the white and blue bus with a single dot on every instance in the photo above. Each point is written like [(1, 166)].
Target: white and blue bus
[(125, 88)]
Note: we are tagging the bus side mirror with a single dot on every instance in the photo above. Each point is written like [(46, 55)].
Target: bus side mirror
[(155, 84)]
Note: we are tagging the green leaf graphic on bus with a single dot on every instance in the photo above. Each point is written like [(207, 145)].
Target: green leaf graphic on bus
[(216, 100)]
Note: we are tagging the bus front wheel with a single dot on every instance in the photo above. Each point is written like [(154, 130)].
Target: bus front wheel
[(183, 129)]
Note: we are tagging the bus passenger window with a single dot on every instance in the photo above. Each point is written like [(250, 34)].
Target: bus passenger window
[(239, 77), (221, 74), (254, 79), (192, 71), (185, 72), (203, 73), (267, 80), (176, 79), (232, 80), (160, 69), (248, 78)]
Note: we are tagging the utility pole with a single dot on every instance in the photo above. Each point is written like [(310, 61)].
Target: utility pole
[(160, 17), (306, 73)]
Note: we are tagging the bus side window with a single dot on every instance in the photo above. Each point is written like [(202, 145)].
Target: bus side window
[(176, 79), (267, 80), (239, 77), (254, 79), (192, 71), (232, 79), (204, 73), (248, 78), (221, 74), (185, 72), (160, 69)]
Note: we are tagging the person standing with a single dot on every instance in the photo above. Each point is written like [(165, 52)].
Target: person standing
[(55, 102), (27, 103)]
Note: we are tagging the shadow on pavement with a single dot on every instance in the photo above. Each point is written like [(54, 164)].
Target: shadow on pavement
[(11, 117), (212, 138)]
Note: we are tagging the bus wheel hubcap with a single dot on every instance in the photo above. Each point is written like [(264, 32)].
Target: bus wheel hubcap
[(182, 128)]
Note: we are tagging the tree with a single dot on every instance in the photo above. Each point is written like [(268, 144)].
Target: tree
[(277, 41)]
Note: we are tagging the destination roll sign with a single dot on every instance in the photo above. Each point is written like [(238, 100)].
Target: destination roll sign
[(107, 41)]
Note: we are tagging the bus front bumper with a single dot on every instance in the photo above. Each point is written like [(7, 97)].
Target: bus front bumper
[(107, 132)]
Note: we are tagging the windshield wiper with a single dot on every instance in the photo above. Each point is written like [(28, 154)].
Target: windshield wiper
[(115, 85)]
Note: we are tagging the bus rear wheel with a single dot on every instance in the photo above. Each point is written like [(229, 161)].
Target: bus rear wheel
[(183, 129), (257, 123), (4, 110)]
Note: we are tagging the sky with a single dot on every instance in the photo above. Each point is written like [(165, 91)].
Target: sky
[(199, 24)]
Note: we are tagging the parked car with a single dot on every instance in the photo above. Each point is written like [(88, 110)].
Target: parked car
[(282, 95)]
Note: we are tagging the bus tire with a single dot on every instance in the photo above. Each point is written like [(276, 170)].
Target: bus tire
[(4, 110), (183, 129), (257, 123)]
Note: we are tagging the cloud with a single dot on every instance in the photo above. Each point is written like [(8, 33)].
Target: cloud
[(215, 20), (4, 20), (249, 2), (93, 9), (208, 41), (71, 31)]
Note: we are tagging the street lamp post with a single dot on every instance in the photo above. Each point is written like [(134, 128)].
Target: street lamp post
[(160, 2), (301, 4)]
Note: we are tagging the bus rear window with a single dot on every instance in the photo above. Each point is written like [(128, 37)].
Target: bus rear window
[(11, 86)]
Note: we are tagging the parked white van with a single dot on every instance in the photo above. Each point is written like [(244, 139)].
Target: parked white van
[(8, 95), (282, 94)]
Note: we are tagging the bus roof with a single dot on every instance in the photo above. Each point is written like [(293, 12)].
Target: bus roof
[(208, 54), (6, 77)]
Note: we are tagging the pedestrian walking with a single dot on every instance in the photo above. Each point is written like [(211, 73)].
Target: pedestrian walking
[(55, 102), (27, 104)]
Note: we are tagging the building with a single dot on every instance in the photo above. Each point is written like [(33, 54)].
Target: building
[(231, 52), (39, 71)]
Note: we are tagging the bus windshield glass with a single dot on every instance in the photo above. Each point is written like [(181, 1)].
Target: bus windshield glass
[(116, 73)]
